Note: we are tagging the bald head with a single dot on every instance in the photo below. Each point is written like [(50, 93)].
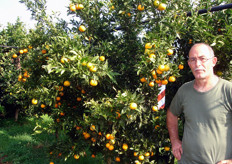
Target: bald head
[(202, 45)]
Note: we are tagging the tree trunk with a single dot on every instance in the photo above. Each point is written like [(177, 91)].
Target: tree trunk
[(109, 160), (16, 115)]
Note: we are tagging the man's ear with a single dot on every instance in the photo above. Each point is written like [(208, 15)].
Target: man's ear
[(214, 61)]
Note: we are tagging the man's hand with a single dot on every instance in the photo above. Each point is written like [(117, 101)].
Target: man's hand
[(229, 161), (177, 149), (172, 124)]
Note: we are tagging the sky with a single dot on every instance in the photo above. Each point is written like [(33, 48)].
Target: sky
[(10, 10)]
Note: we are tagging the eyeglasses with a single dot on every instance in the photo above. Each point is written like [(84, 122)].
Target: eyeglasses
[(201, 59)]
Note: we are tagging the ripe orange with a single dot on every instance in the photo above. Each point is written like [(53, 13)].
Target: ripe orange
[(172, 79), (162, 6), (72, 7), (133, 106), (135, 154), (111, 147), (34, 101), (83, 91), (93, 139), (14, 56), (166, 148), (76, 156), (84, 63), (170, 52), (92, 127), (153, 72), (44, 51), (102, 58), (151, 84), (152, 56), (107, 145), (156, 3), (157, 126), (67, 83), (89, 65), (93, 155), (143, 80), (93, 83), (166, 68), (30, 47), (78, 98), (129, 14), (58, 98), (161, 68), (86, 135), (63, 60), (21, 51), (82, 28), (108, 136), (137, 162), (125, 146), (93, 69), (24, 79), (141, 157), (42, 106), (147, 154), (190, 41), (155, 108), (78, 127), (148, 46), (117, 159), (158, 81), (140, 7), (159, 72), (112, 7), (79, 6), (164, 82), (25, 50), (181, 66), (51, 163)]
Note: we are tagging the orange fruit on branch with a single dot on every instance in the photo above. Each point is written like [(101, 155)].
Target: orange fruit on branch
[(82, 28), (170, 52), (133, 106), (93, 83), (79, 6), (67, 83), (14, 56), (172, 79), (162, 6), (140, 7), (72, 7), (34, 101)]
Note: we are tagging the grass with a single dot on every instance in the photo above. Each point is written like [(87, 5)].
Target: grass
[(19, 145)]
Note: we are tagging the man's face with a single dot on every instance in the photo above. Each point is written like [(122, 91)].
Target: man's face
[(201, 61)]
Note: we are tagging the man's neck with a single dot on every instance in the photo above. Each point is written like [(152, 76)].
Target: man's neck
[(204, 85)]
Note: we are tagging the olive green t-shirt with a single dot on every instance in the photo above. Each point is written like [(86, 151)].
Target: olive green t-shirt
[(207, 137)]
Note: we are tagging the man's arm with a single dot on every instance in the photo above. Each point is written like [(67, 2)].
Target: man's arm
[(172, 124), (229, 161)]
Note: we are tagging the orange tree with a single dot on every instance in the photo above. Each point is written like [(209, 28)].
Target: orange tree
[(13, 37), (98, 76)]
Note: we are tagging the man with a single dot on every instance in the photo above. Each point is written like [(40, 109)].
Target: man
[(206, 103)]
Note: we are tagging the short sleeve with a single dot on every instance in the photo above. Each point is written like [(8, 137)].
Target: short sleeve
[(176, 106)]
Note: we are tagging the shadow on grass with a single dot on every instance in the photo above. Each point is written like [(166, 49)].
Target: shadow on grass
[(18, 145)]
